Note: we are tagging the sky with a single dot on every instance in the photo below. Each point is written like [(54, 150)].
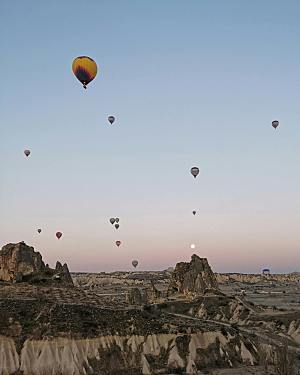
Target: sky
[(191, 83)]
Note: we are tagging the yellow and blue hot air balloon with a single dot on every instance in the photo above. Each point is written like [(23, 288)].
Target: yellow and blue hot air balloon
[(85, 69)]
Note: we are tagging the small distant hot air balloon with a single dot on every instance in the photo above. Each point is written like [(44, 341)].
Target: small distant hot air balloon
[(117, 219), (39, 230), (134, 263), (111, 119), (112, 220), (275, 124), (58, 234), (27, 152), (117, 226), (118, 243), (194, 213), (195, 171), (85, 69)]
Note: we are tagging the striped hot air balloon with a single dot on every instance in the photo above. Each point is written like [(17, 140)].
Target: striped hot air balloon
[(85, 69)]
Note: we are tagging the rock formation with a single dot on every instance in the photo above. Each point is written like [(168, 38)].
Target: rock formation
[(193, 278), (135, 296), (19, 262)]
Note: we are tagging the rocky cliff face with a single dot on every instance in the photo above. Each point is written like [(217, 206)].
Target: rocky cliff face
[(48, 330), (135, 354), (193, 278), (19, 262)]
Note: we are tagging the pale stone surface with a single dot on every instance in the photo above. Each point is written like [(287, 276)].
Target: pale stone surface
[(72, 357)]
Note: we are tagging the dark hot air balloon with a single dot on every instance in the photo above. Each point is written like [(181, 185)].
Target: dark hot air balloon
[(39, 230), (27, 152), (112, 220), (195, 171), (194, 213), (118, 243), (117, 219), (111, 119), (275, 124), (58, 234), (117, 226), (134, 263), (85, 69)]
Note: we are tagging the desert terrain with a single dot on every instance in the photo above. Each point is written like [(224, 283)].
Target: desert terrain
[(186, 320)]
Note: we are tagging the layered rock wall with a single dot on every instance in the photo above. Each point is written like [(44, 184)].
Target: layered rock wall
[(257, 278), (108, 355)]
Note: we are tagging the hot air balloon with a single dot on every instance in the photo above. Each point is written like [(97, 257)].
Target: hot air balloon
[(39, 230), (27, 152), (134, 263), (118, 243), (111, 119), (117, 219), (112, 220), (195, 171), (85, 69), (275, 123), (194, 213), (117, 226), (58, 235)]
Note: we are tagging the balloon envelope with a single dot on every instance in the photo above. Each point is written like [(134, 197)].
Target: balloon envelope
[(195, 171), (112, 220), (118, 243), (194, 212), (111, 119), (275, 124), (135, 263), (27, 152), (117, 226), (58, 234), (39, 230), (117, 219), (85, 69)]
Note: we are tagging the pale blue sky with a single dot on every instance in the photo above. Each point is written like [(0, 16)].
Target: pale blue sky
[(190, 83)]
